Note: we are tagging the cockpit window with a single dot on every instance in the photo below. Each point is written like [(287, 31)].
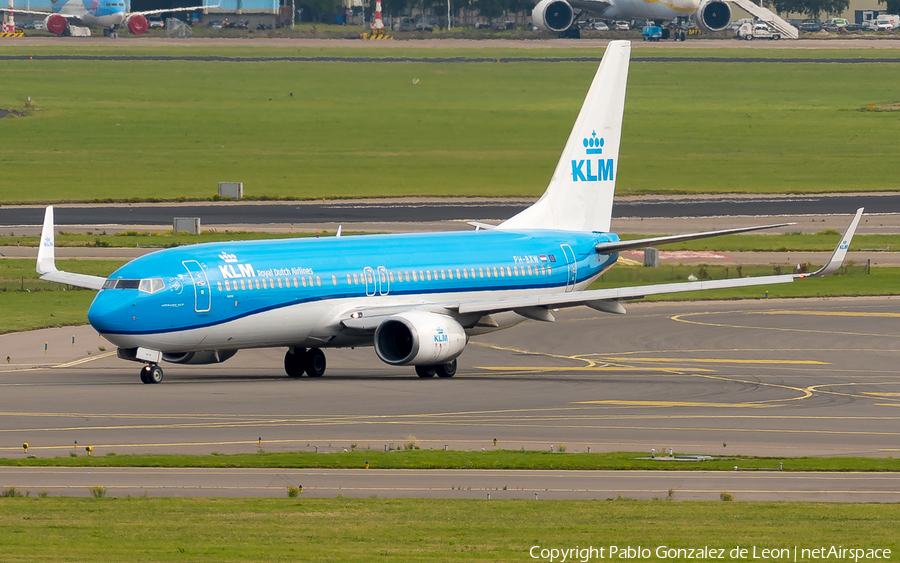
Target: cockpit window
[(147, 285)]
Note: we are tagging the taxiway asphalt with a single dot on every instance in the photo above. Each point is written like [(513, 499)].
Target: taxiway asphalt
[(779, 378)]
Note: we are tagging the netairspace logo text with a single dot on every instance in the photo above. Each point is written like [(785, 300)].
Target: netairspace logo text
[(834, 553)]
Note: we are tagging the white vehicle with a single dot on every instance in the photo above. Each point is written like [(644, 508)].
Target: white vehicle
[(758, 30), (885, 22)]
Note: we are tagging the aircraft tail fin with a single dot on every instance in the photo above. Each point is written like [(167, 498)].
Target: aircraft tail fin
[(580, 194)]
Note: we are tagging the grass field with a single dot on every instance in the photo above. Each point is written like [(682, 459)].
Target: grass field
[(163, 130), (404, 458), (341, 529), (29, 303)]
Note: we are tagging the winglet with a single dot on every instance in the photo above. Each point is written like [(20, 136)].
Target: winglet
[(840, 251), (46, 259)]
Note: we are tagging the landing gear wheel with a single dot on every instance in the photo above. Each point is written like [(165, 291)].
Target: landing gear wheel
[(151, 373), (294, 362), (114, 34), (446, 370), (571, 33), (315, 363), (425, 371)]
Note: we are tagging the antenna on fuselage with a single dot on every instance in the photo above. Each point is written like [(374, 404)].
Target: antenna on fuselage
[(340, 227)]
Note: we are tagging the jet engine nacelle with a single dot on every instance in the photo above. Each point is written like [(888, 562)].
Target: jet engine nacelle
[(553, 15), (136, 24), (201, 357), (419, 338), (713, 15), (55, 23)]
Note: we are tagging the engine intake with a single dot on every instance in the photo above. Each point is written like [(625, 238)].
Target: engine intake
[(419, 338), (137, 24), (553, 15), (713, 15), (201, 357), (56, 23)]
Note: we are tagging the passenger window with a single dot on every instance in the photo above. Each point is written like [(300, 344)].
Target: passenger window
[(280, 284), (391, 275), (219, 284), (319, 281), (310, 281), (227, 285), (549, 270), (458, 276), (428, 273), (435, 275), (495, 272), (355, 279), (529, 271), (509, 271), (487, 272), (543, 270), (421, 275), (502, 272), (369, 278), (348, 279), (303, 280), (333, 279), (242, 285), (407, 275), (480, 272), (257, 284), (382, 276), (296, 283), (466, 274), (450, 273), (415, 276), (473, 273), (443, 274)]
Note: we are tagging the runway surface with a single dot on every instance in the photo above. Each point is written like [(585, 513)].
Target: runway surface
[(777, 378), (425, 210), (458, 484)]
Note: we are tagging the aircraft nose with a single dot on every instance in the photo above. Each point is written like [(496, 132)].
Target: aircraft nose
[(109, 311)]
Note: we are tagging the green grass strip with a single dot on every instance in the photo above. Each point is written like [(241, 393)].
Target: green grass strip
[(419, 530), (454, 459)]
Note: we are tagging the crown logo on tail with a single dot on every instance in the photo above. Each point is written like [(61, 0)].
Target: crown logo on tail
[(593, 144)]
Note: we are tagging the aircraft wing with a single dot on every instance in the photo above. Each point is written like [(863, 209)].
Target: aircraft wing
[(537, 306), (46, 260), (35, 13), (188, 9)]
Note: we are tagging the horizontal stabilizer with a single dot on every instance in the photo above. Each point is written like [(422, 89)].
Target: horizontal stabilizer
[(619, 246)]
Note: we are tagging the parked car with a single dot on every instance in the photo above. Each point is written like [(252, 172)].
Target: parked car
[(891, 20), (156, 23), (215, 24), (621, 26), (811, 26), (839, 23), (409, 24), (853, 27)]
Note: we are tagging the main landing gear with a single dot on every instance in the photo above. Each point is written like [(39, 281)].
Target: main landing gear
[(441, 370), (300, 360), (151, 373)]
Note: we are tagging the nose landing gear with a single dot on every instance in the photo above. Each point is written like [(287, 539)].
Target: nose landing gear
[(151, 374)]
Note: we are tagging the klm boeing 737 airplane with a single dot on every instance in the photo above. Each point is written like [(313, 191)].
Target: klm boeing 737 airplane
[(417, 298)]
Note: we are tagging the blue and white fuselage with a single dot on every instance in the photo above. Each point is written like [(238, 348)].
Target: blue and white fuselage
[(417, 298), (296, 292)]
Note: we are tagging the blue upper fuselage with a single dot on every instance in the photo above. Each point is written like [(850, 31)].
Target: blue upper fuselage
[(95, 8), (208, 284)]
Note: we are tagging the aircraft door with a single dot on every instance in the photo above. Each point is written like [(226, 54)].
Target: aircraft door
[(202, 301), (371, 284), (384, 282), (572, 267)]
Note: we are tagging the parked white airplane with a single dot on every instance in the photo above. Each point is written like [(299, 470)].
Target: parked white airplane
[(417, 298), (108, 14), (558, 16)]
